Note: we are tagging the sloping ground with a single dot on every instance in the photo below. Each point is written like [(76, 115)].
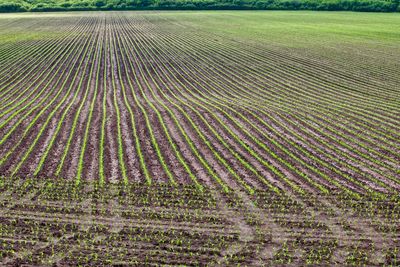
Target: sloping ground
[(280, 128)]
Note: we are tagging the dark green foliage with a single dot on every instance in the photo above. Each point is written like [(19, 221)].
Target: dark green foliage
[(333, 5), (12, 7), (99, 3)]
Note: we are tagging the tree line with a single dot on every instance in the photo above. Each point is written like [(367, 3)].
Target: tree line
[(81, 5)]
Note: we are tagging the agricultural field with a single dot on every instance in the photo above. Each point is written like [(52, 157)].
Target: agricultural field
[(219, 138)]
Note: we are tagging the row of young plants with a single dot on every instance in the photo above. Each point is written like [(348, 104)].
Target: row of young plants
[(160, 92), (66, 99), (182, 131), (327, 79), (149, 125), (60, 123), (34, 57), (80, 166), (32, 86), (146, 46), (39, 82), (49, 216), (330, 85), (173, 91), (52, 238), (41, 109)]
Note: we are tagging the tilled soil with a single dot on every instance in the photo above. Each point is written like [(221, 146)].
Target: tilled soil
[(299, 150)]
